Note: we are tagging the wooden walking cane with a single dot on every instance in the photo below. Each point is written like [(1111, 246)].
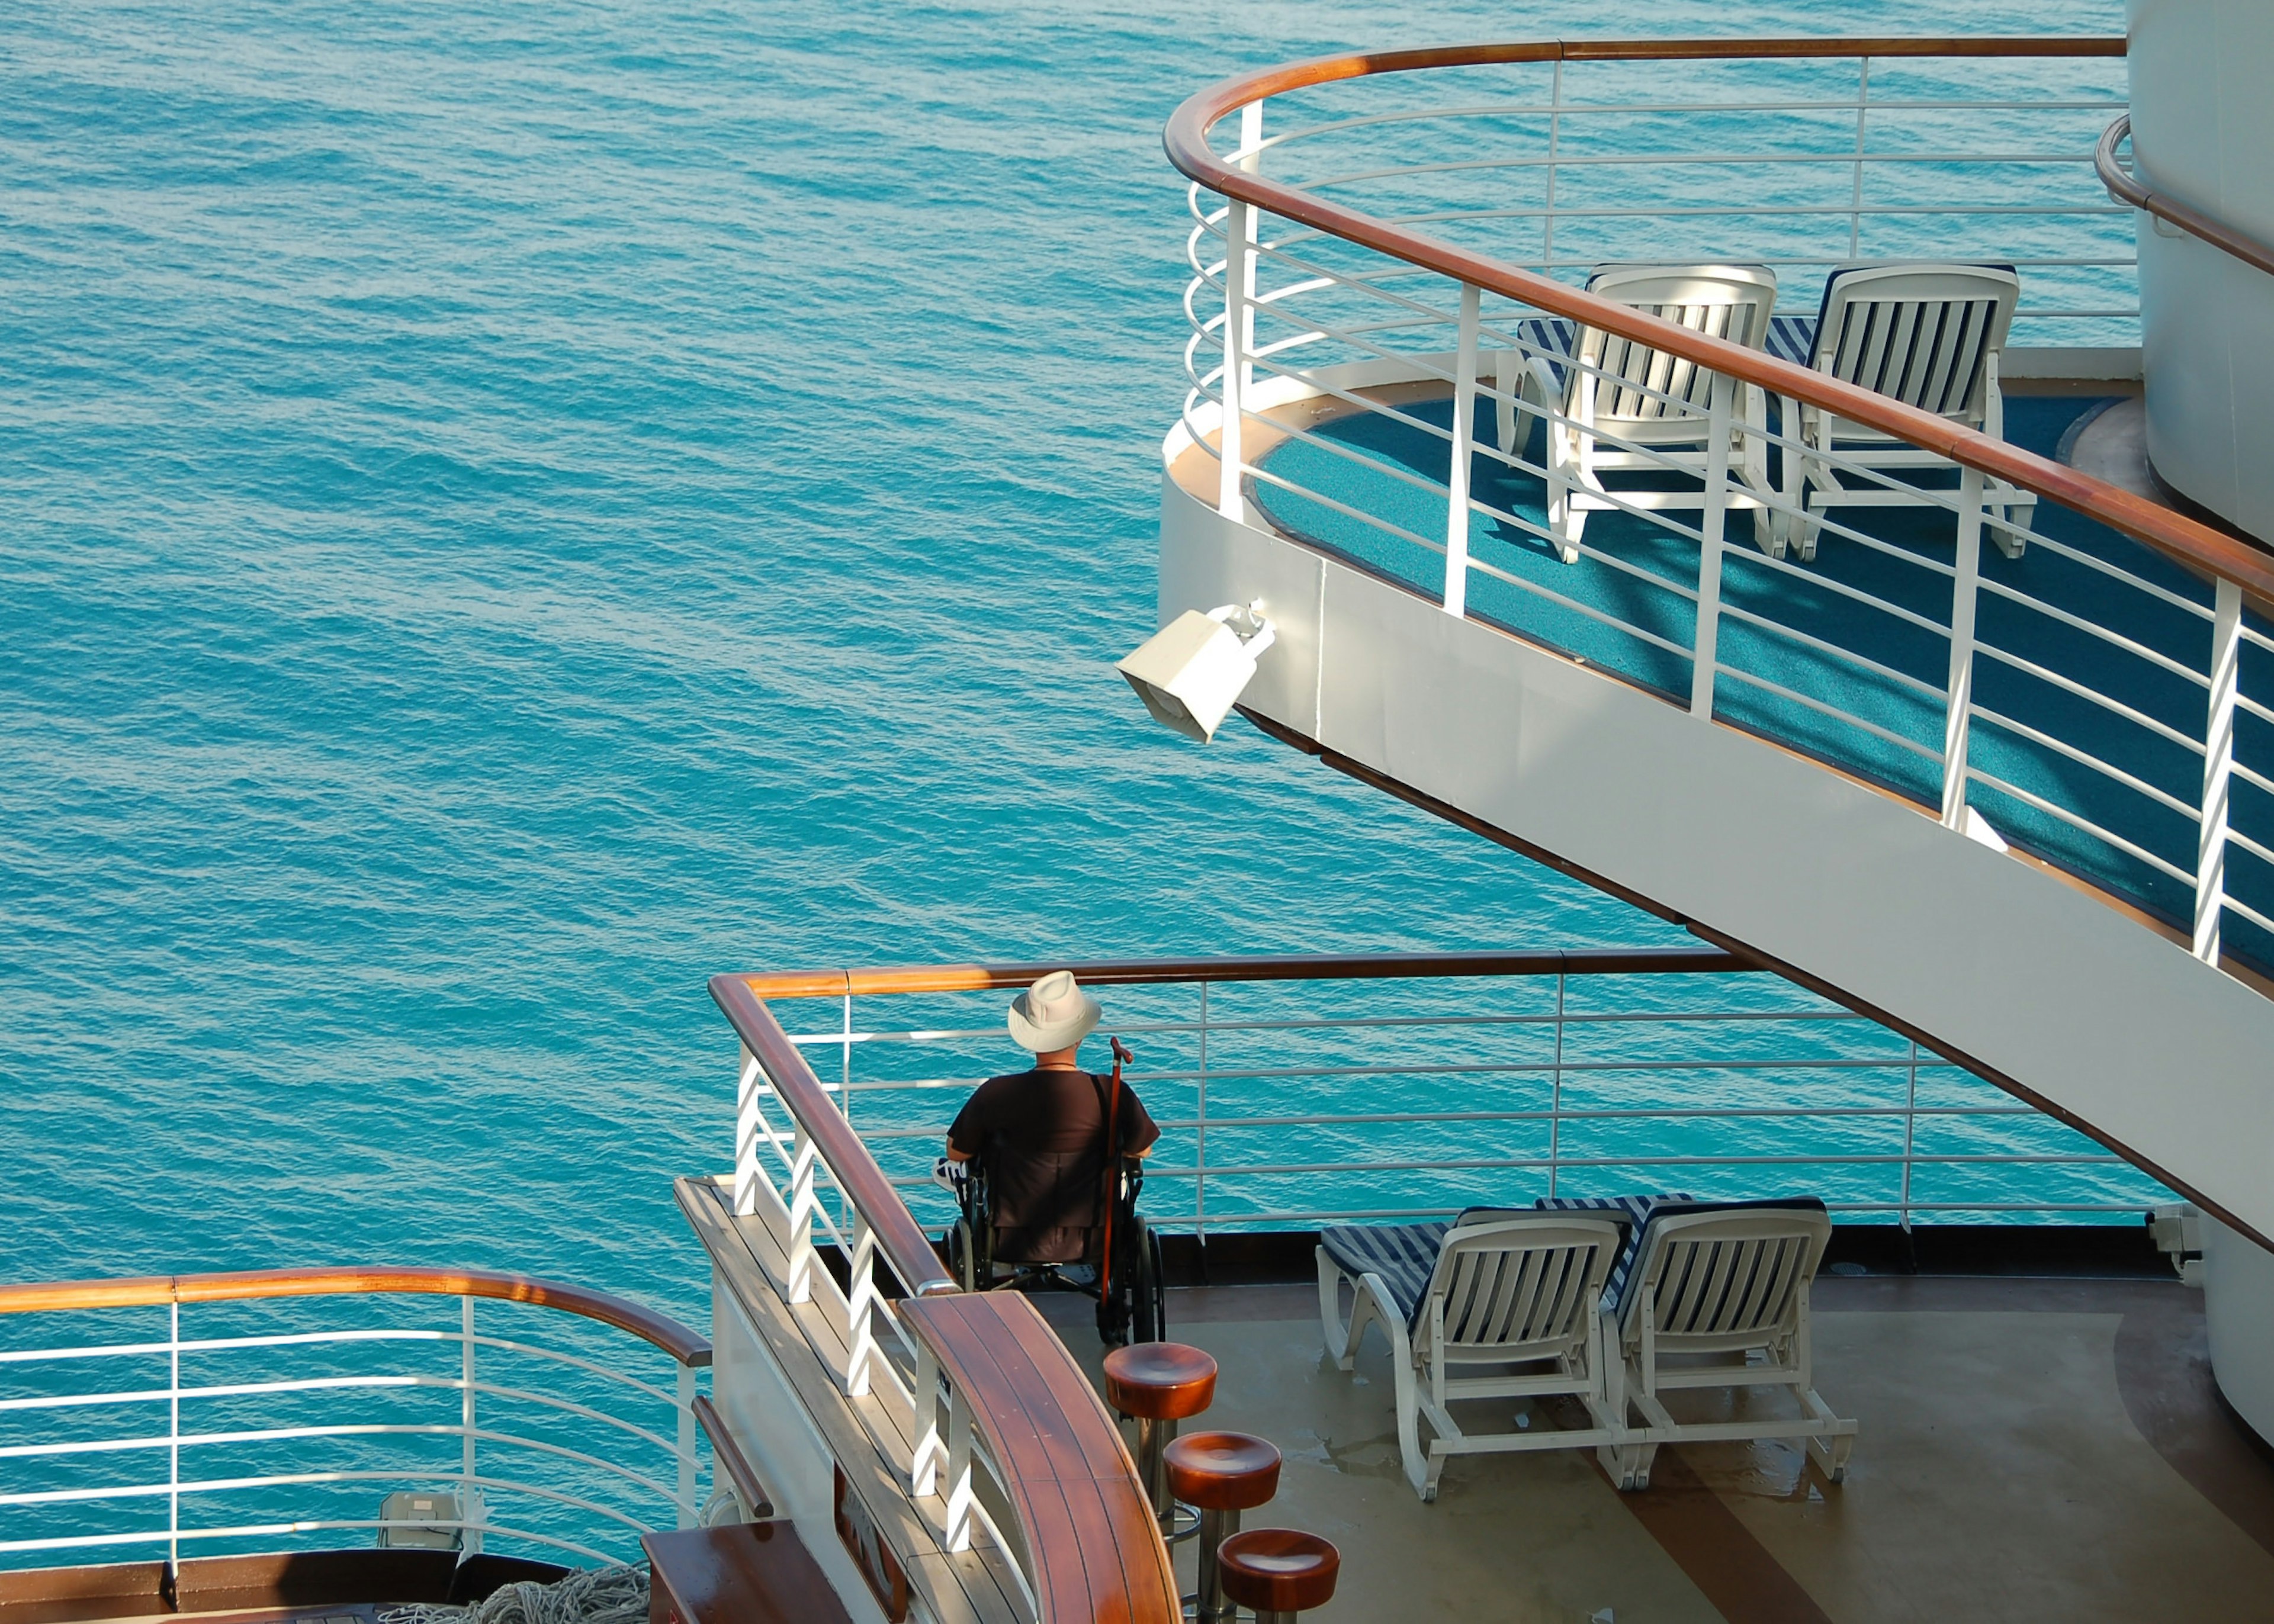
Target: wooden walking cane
[(1112, 1170)]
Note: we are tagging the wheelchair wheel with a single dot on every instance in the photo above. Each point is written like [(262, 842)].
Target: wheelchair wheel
[(963, 1261), (1149, 1288)]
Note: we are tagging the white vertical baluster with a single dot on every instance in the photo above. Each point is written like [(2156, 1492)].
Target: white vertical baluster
[(174, 1438), (1555, 139), (1958, 707), (861, 1302), (1251, 137), (1457, 476), (1910, 1133), (749, 1125), (958, 1471), (1707, 637), (924, 1454), (1240, 238), (1229, 502), (1556, 1095), (1855, 197), (1200, 1154), (469, 1496), (685, 1447), (804, 1203), (845, 1071), (2218, 767)]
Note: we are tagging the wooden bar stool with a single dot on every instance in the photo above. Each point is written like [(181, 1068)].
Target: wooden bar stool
[(1278, 1572), (1223, 1474), (1159, 1384)]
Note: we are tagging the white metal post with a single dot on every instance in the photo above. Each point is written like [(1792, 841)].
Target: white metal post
[(924, 1454), (845, 1071), (749, 1125), (174, 1438), (804, 1203), (1959, 705), (469, 1496), (1911, 1131), (1200, 1154), (1554, 136), (686, 1446), (1237, 270), (1250, 158), (2218, 767), (1706, 637), (861, 1306), (1457, 478), (958, 1471), (1856, 198), (1556, 1095)]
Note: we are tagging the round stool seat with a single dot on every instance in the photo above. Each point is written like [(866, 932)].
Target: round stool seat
[(1279, 1570), (1160, 1381), (1222, 1472)]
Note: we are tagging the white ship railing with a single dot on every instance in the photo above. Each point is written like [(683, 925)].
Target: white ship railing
[(1394, 225), (540, 1435), (1517, 1076)]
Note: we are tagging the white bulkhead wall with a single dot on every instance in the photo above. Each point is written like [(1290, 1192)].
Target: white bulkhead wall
[(2203, 133)]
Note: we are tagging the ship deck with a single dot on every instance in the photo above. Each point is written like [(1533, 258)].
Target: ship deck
[(2029, 1448)]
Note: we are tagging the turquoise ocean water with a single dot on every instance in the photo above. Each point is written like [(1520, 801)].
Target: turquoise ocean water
[(506, 510)]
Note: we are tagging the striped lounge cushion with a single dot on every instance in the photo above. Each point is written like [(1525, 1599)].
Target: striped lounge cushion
[(1791, 338), (1675, 1207), (1634, 1209), (1404, 1255)]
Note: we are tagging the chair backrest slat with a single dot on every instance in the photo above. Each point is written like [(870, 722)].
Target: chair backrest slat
[(1639, 382), (1919, 333), (1522, 1282), (1725, 1277)]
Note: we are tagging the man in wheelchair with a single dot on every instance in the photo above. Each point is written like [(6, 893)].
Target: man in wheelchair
[(1046, 1164)]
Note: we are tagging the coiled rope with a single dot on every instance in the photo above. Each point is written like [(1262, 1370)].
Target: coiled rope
[(592, 1596)]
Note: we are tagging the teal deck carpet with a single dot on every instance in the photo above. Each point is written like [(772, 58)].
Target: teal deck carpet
[(1360, 467)]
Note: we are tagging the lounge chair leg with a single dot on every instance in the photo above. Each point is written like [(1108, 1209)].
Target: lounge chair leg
[(1409, 1420), (1831, 1454)]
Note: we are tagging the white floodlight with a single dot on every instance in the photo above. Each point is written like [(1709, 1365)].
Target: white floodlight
[(1191, 671)]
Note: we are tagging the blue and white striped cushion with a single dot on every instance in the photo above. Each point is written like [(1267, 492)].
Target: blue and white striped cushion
[(1404, 1255), (1791, 338), (1635, 1209), (1676, 1207)]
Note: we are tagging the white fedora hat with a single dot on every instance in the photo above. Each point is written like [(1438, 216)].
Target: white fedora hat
[(1052, 1014)]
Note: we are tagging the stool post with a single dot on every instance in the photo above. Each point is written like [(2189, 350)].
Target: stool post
[(1216, 1528)]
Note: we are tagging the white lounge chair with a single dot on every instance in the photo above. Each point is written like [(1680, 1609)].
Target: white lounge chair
[(1655, 407), (1512, 1296), (1717, 1297), (1928, 335)]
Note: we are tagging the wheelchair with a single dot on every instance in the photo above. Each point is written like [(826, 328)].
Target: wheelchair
[(1121, 1258)]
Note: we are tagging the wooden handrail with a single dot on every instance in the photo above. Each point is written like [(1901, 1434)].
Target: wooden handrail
[(1081, 1507), (2196, 546), (2126, 188), (1254, 968), (906, 1247), (731, 1459), (660, 1330)]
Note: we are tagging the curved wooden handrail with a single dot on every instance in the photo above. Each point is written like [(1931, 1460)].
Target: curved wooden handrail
[(2126, 188), (1098, 1553), (2194, 544), (731, 1459), (1253, 967), (660, 1330), (906, 1247)]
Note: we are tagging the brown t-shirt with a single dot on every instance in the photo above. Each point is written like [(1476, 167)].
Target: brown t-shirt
[(1041, 1136)]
